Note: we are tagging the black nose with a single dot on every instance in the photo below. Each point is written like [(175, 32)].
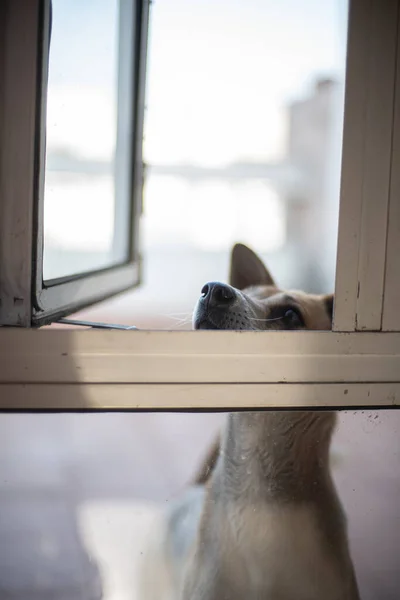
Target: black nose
[(218, 294)]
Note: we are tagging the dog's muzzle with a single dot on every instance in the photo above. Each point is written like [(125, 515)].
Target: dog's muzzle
[(214, 305)]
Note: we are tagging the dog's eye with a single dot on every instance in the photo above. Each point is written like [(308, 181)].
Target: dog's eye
[(293, 317)]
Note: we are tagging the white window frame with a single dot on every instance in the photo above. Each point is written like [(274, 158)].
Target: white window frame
[(355, 366), (25, 299)]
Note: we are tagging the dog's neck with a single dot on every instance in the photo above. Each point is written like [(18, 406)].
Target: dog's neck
[(277, 455)]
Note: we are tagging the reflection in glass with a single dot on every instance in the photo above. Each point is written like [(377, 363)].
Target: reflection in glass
[(80, 487), (82, 192)]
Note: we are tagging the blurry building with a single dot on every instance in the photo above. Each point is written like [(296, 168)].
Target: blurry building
[(313, 150)]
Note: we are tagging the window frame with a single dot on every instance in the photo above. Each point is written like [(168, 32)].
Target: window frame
[(369, 202), (355, 366), (169, 370), (26, 300)]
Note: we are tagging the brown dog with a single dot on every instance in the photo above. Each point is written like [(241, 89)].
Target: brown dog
[(262, 521)]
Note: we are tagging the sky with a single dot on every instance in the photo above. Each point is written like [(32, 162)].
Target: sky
[(221, 74)]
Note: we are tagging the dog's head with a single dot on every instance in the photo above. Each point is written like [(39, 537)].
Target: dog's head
[(254, 302)]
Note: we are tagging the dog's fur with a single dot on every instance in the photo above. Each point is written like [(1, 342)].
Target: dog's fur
[(262, 520)]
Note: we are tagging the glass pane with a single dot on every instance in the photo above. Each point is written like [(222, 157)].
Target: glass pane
[(87, 180), (243, 144), (80, 494)]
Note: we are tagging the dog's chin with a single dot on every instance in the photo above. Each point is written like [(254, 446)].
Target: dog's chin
[(202, 319), (204, 324)]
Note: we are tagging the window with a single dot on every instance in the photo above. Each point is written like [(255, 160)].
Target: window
[(94, 57), (355, 365), (88, 150)]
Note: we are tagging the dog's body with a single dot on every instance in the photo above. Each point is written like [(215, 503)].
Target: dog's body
[(262, 520)]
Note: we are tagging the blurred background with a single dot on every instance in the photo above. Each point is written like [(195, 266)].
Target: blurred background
[(243, 134)]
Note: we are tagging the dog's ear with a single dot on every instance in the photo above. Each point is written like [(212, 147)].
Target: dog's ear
[(328, 300), (247, 269)]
